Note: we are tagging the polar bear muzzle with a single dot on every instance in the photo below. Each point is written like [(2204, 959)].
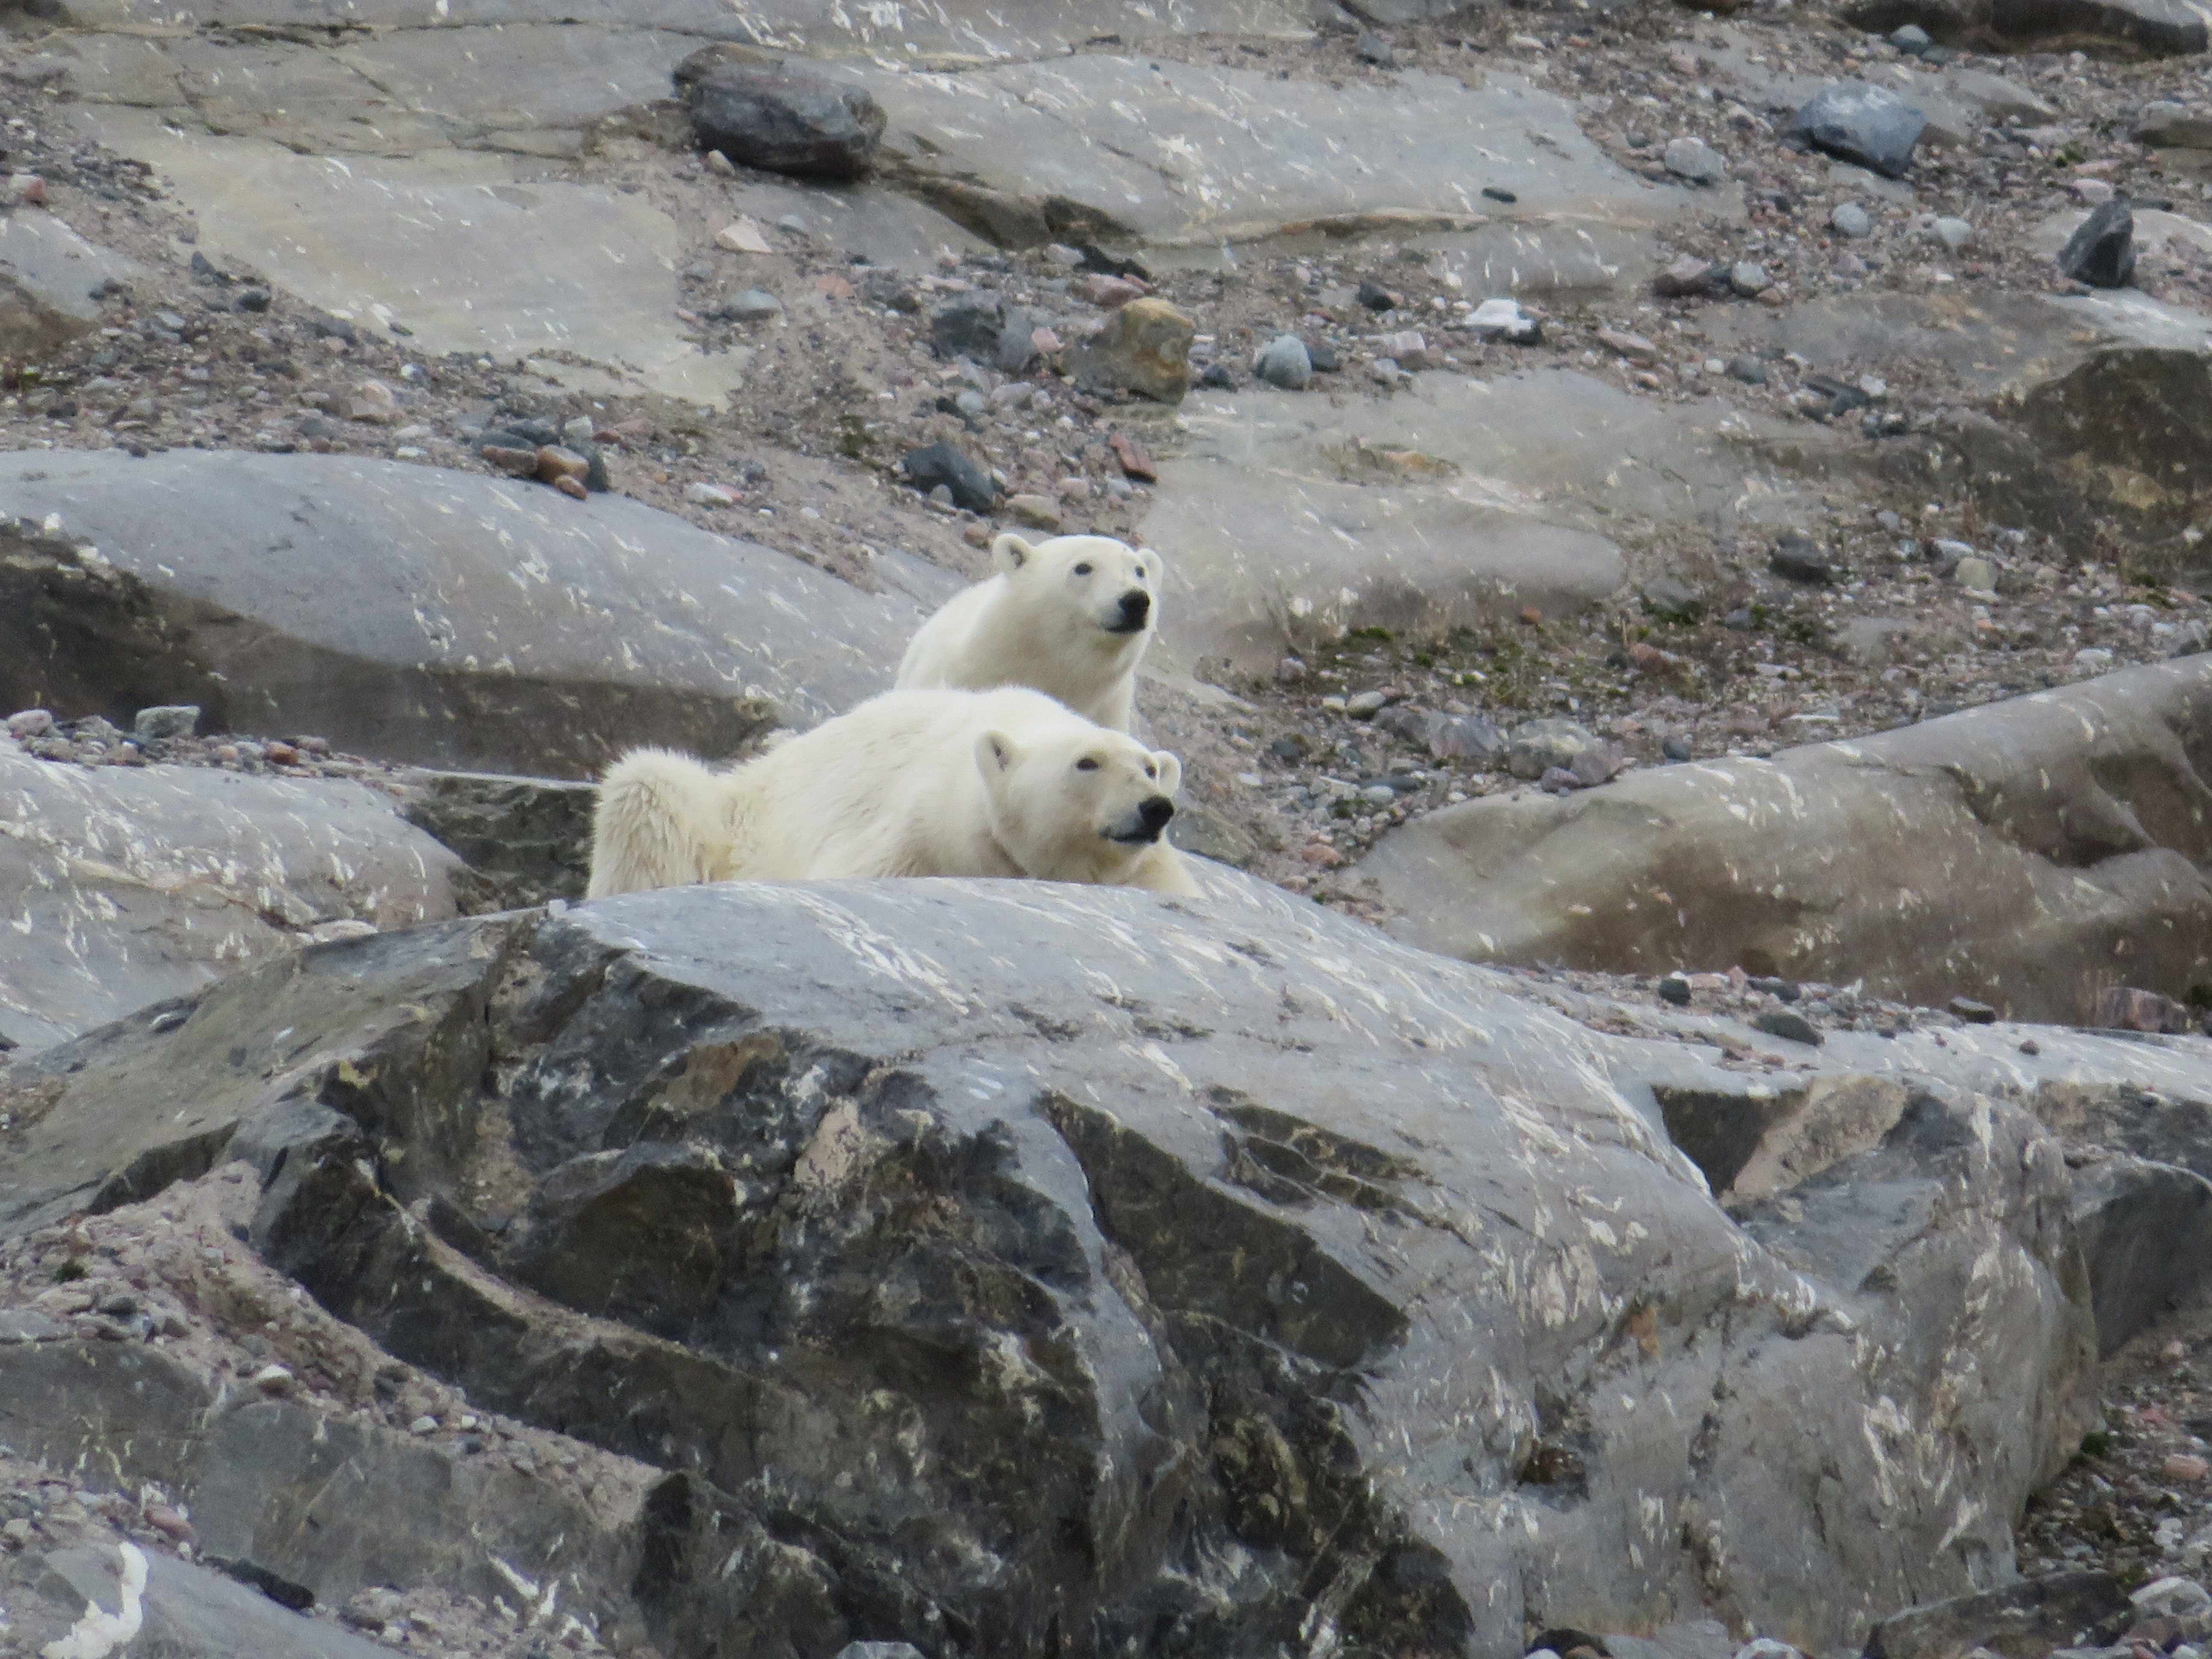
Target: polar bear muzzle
[(1136, 610), (1144, 825)]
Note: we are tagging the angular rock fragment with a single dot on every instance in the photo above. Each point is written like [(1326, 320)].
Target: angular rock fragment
[(1863, 124), (1143, 346), (786, 120), (2102, 252)]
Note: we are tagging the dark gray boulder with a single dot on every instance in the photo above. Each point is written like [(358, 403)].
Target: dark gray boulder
[(442, 618), (786, 120), (2032, 1617), (1863, 124), (1023, 1249), (945, 465), (2101, 252), (522, 841), (968, 325), (2146, 1235)]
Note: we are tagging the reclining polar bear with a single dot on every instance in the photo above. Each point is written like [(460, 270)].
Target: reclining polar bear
[(1070, 618), (1005, 782)]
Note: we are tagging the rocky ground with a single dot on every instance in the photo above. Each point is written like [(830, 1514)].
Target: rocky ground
[(1716, 646), (1886, 601), (172, 1275)]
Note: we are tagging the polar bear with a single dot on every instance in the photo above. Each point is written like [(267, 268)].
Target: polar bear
[(1070, 618), (1005, 782)]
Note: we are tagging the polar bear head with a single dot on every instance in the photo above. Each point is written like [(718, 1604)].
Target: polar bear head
[(1070, 801), (1088, 588)]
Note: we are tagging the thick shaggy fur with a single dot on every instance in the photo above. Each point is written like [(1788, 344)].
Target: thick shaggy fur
[(911, 783), (1070, 618)]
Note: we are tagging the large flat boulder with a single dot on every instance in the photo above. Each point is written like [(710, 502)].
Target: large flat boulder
[(1173, 154), (980, 1255), (434, 244), (124, 886), (410, 614), (2122, 28), (47, 277), (1291, 517), (2077, 410), (953, 33), (2027, 854)]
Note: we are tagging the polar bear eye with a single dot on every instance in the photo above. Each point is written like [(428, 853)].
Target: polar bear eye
[(1151, 770), (1086, 764), (1083, 570)]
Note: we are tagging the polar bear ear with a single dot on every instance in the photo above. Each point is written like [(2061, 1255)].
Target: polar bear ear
[(1009, 553), (1151, 560), (1170, 771), (995, 755)]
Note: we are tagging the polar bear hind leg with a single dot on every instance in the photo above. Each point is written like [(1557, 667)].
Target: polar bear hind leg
[(660, 821)]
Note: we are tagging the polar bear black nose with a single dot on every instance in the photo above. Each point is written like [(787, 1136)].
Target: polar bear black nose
[(1156, 812), (1136, 606)]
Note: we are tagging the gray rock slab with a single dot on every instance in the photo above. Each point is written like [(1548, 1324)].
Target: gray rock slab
[(1175, 153), (2131, 27), (2082, 409), (122, 886), (950, 33), (410, 614), (2010, 853), (96, 1149), (892, 229), (1288, 519), (1218, 1160), (2160, 1125), (342, 1505), (448, 246), (47, 272), (175, 1610)]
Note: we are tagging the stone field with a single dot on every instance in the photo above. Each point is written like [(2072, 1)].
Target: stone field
[(1679, 1124)]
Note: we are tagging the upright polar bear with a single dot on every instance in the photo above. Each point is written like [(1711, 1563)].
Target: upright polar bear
[(911, 783), (1070, 618)]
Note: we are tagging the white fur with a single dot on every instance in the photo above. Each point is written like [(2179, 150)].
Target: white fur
[(1045, 621), (911, 783)]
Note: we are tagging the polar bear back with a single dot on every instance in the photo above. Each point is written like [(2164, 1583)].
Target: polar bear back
[(889, 789)]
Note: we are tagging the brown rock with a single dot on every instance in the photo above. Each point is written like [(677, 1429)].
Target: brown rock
[(2125, 1008), (555, 463), (1135, 463), (1686, 275), (1651, 660), (1035, 510), (517, 463), (1110, 291), (374, 402), (571, 487), (1144, 347)]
